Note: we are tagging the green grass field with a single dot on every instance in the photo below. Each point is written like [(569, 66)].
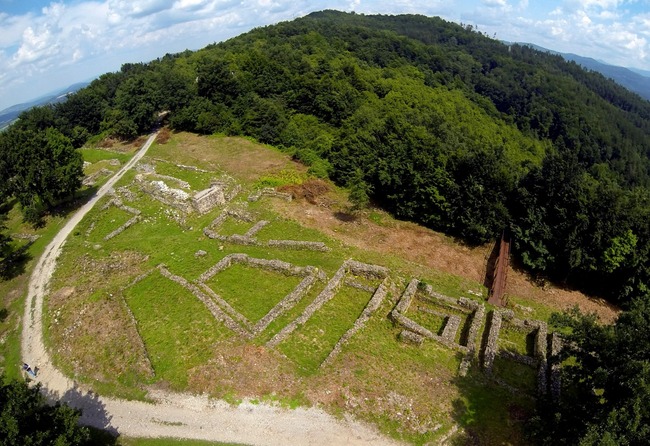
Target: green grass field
[(412, 393)]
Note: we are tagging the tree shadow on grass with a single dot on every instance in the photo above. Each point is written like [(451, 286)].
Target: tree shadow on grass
[(66, 207), (15, 263), (488, 413), (345, 217), (93, 414)]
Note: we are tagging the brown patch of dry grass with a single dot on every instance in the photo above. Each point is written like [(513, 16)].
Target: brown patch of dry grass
[(432, 249), (245, 370), (94, 334), (310, 190), (239, 157), (163, 136)]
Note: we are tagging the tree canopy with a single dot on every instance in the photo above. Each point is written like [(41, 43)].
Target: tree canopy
[(435, 121), (26, 418)]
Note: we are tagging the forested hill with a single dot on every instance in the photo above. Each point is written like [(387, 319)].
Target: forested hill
[(437, 122)]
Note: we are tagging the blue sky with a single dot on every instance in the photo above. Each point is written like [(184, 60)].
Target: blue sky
[(46, 45)]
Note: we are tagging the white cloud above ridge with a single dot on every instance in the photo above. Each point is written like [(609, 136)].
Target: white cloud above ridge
[(99, 35)]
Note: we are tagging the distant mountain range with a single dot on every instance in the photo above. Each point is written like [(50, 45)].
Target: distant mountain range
[(634, 80), (10, 114)]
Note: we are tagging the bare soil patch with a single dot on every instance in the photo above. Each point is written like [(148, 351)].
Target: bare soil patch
[(435, 250)]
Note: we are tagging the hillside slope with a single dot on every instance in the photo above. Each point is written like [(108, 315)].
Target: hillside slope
[(438, 123)]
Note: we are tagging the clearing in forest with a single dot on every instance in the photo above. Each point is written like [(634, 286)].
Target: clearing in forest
[(287, 300)]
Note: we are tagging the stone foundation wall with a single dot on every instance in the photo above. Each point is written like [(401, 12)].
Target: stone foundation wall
[(286, 304), (325, 295), (217, 312), (368, 311), (298, 244), (556, 383), (205, 200), (269, 192), (491, 346)]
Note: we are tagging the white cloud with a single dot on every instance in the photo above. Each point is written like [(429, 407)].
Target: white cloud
[(495, 3), (93, 36)]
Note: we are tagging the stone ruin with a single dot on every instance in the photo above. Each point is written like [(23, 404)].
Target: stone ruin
[(219, 193), (117, 202), (216, 195), (505, 320), (269, 192), (228, 315), (466, 342), (248, 238), (330, 290), (450, 337)]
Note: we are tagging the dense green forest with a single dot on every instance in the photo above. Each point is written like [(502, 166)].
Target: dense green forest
[(437, 123)]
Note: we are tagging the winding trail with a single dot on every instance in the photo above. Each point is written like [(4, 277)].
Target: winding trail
[(176, 415)]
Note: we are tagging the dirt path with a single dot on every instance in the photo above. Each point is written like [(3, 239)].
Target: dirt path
[(173, 414)]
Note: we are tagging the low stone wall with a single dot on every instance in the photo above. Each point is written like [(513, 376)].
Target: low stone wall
[(518, 357), (181, 183), (451, 329), (224, 312), (366, 270), (410, 337), (475, 325), (285, 304), (203, 201), (256, 228), (217, 312), (556, 383), (491, 346), (92, 178), (269, 192), (368, 311), (117, 202), (328, 292), (406, 298), (122, 228), (541, 343), (298, 244), (358, 285)]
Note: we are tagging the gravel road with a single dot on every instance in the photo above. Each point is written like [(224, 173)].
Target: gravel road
[(176, 415)]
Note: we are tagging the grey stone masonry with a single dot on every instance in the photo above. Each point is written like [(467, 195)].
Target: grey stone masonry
[(371, 307), (310, 274), (410, 337), (256, 228), (286, 304), (298, 244), (491, 345), (117, 202), (249, 239), (474, 310), (203, 201), (541, 343), (217, 312), (269, 192), (325, 295), (122, 228), (450, 330), (328, 292), (405, 301), (472, 334), (555, 384)]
